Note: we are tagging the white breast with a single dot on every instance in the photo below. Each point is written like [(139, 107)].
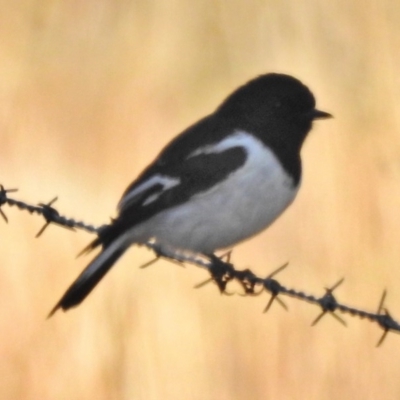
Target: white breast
[(247, 202)]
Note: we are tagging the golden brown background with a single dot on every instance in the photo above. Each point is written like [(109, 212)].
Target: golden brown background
[(89, 92)]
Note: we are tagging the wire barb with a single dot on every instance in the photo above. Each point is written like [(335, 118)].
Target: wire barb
[(3, 200), (50, 214), (274, 287), (385, 320), (329, 304)]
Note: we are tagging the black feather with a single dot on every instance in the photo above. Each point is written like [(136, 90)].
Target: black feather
[(87, 281)]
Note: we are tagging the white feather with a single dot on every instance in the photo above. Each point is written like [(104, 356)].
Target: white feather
[(167, 181)]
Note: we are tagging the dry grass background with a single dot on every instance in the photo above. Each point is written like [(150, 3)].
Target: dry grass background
[(89, 92)]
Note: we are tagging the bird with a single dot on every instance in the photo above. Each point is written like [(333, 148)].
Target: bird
[(221, 181)]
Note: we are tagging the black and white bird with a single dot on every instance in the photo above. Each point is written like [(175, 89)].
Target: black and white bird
[(221, 181)]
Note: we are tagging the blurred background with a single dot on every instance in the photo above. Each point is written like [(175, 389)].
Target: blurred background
[(89, 93)]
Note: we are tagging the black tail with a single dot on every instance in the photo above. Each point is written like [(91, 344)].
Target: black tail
[(90, 277)]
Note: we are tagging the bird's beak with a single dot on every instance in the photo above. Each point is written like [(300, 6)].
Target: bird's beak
[(317, 114)]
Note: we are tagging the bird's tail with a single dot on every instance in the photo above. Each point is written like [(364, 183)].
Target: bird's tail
[(91, 275)]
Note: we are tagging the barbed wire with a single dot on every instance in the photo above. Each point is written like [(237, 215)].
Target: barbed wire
[(221, 271)]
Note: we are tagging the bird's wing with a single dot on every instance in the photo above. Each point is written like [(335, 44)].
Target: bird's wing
[(176, 185)]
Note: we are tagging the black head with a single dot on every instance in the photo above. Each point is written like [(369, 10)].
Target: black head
[(279, 110), (273, 105)]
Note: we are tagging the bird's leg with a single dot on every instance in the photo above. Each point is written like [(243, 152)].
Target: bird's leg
[(161, 252), (221, 272)]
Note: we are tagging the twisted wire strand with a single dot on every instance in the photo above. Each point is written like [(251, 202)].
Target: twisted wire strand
[(222, 272)]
